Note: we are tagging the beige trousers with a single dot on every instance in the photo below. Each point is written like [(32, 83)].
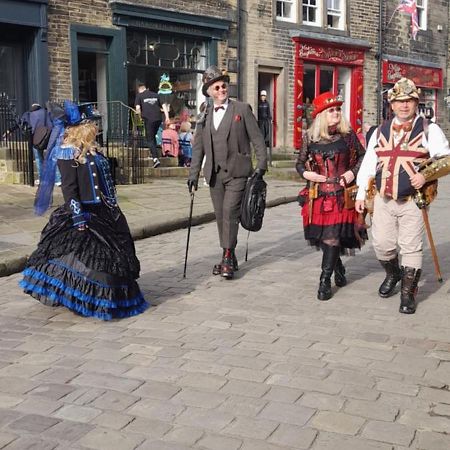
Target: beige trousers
[(398, 223)]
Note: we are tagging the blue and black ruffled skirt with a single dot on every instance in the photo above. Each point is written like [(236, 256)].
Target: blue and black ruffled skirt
[(93, 273)]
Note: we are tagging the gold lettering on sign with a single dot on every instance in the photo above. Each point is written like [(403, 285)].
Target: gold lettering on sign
[(330, 53)]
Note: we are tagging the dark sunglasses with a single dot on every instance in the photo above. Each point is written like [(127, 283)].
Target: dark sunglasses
[(223, 86), (332, 110)]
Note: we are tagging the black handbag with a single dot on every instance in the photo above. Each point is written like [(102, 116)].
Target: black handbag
[(253, 204), (41, 135)]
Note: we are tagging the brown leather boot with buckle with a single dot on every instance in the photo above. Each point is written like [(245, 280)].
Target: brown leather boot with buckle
[(217, 269), (227, 266)]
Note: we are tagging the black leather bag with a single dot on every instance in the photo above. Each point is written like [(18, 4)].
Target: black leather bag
[(41, 135), (253, 204)]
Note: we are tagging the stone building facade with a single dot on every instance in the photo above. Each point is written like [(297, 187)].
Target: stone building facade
[(98, 50), (298, 49)]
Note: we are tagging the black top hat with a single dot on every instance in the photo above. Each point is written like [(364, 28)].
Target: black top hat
[(211, 75)]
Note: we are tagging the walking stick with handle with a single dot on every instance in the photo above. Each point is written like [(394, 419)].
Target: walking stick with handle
[(422, 203), (189, 233), (437, 269)]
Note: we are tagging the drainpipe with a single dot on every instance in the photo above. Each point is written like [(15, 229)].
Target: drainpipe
[(380, 60), (239, 49)]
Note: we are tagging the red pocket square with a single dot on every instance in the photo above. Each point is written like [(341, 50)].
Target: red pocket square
[(237, 118)]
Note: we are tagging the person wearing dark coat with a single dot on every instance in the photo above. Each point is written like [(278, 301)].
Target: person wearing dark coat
[(264, 117), (223, 137)]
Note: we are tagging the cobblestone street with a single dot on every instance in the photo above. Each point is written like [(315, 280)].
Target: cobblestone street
[(256, 363)]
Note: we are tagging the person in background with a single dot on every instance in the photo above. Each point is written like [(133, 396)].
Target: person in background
[(393, 153), (37, 117), (329, 160), (185, 139), (264, 117), (85, 259), (223, 136), (148, 105), (170, 145)]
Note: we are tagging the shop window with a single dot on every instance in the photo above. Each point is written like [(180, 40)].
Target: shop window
[(287, 10), (422, 14), (165, 51)]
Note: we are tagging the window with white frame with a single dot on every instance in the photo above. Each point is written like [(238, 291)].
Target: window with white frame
[(287, 10), (312, 12), (422, 14), (335, 14)]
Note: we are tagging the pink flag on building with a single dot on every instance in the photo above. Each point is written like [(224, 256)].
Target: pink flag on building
[(410, 7)]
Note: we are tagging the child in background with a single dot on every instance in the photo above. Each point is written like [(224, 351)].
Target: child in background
[(185, 144), (170, 145)]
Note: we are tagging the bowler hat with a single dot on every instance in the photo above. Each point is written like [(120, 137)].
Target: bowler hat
[(404, 89), (323, 102), (211, 75)]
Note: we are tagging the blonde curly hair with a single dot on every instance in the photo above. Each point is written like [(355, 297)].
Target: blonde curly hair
[(319, 127), (82, 137)]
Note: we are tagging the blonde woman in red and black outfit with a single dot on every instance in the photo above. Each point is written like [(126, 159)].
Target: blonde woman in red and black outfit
[(330, 159)]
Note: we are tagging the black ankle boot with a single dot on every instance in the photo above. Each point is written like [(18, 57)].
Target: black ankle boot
[(339, 274), (410, 280), (329, 258), (393, 276)]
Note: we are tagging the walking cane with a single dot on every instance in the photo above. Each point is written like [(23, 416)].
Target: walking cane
[(189, 233), (432, 246)]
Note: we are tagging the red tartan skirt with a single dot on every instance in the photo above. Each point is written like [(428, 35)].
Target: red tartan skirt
[(330, 220)]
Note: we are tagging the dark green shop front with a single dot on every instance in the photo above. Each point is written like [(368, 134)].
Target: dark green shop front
[(178, 44)]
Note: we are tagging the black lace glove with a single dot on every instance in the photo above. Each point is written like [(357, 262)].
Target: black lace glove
[(192, 185), (259, 173)]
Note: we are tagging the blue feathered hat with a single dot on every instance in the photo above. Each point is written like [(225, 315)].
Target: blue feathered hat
[(72, 111)]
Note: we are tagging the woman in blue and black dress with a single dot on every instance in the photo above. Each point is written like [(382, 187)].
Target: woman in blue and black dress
[(86, 259), (329, 161)]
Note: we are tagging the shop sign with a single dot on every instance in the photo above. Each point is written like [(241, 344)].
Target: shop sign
[(427, 77), (330, 54)]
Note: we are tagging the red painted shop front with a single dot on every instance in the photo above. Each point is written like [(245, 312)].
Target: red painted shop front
[(429, 80), (323, 66)]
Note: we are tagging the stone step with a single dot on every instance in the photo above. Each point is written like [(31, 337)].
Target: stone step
[(287, 174), (283, 163), (283, 156), (162, 172)]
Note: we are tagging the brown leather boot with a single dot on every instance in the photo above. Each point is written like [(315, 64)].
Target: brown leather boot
[(410, 280), (217, 269), (227, 265)]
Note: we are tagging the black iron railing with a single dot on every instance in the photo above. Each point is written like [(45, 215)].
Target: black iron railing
[(122, 139), (16, 141)]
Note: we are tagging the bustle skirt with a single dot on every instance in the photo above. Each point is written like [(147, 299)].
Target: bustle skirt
[(331, 221), (93, 272)]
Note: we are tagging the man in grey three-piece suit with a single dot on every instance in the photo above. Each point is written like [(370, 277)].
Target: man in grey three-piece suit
[(223, 135)]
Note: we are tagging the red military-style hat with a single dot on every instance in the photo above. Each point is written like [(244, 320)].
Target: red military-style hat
[(323, 102)]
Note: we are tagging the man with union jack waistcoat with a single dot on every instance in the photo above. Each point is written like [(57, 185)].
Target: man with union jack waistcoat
[(392, 156)]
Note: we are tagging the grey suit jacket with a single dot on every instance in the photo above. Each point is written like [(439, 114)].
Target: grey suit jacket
[(242, 129)]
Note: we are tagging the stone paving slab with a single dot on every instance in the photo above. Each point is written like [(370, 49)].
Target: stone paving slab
[(152, 208), (256, 363)]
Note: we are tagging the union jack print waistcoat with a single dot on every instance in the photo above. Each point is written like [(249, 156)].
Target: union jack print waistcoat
[(396, 162)]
